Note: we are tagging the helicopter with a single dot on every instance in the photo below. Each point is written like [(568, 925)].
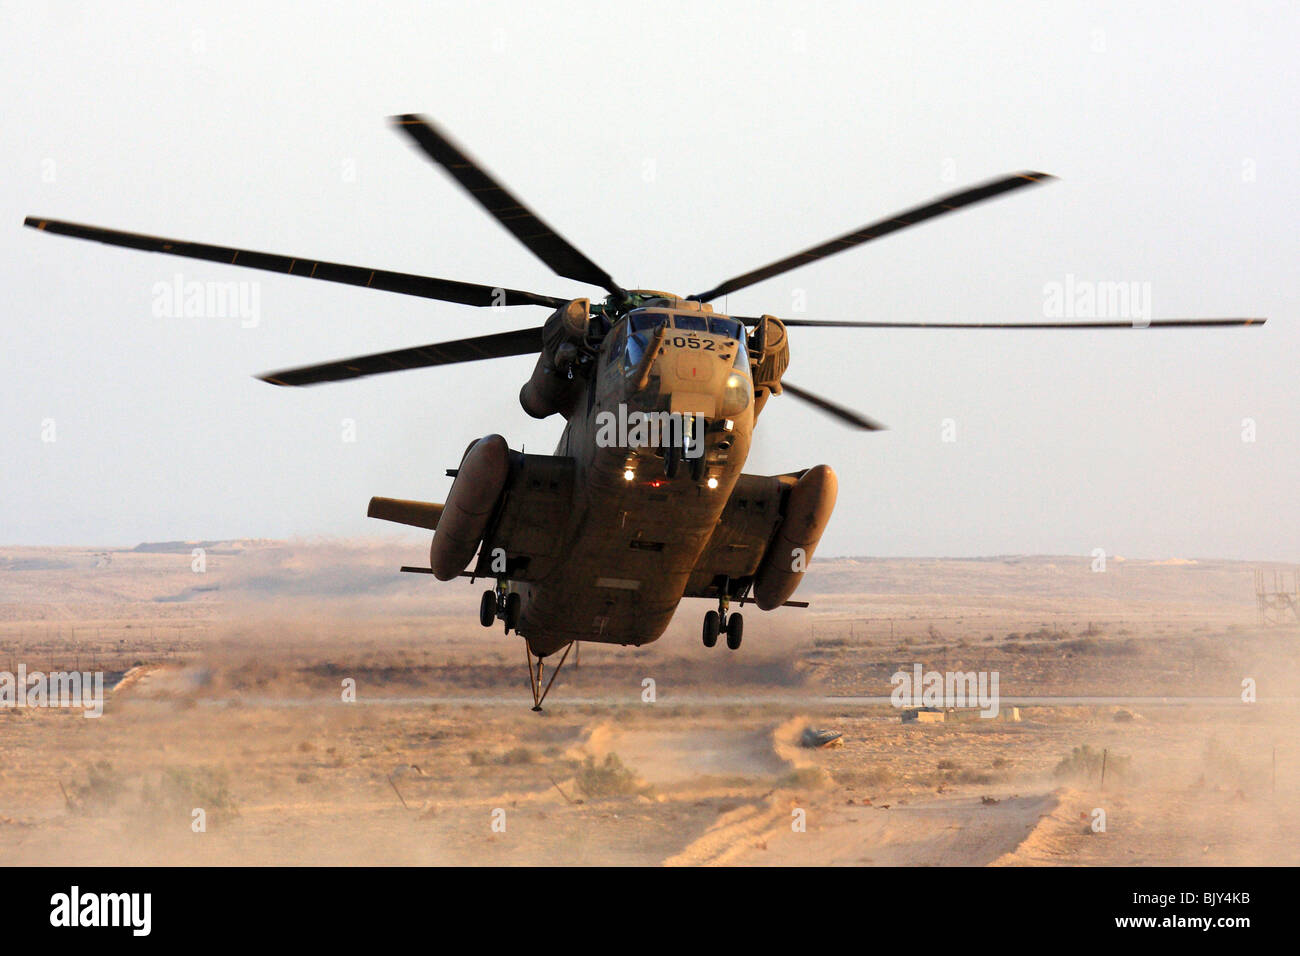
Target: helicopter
[(644, 502)]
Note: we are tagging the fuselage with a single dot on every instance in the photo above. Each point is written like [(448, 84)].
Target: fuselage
[(640, 520)]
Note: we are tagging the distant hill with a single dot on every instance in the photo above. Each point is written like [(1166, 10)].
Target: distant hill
[(234, 546)]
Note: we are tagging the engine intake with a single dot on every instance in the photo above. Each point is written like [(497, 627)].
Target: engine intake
[(769, 356)]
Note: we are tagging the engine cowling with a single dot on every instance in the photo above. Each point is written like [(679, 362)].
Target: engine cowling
[(769, 353), (550, 390), (474, 493), (807, 511)]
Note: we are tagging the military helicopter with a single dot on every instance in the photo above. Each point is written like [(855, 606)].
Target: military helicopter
[(645, 501)]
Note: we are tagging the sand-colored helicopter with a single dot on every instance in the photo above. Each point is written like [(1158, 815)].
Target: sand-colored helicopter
[(644, 502)]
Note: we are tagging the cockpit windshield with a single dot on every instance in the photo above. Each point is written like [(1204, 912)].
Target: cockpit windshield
[(734, 330), (731, 328), (640, 321), (641, 324)]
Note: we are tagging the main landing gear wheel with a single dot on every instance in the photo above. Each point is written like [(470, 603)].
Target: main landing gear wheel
[(735, 629), (712, 624), (513, 604), (487, 608)]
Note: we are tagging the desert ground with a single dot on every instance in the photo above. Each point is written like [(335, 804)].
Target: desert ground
[(227, 672)]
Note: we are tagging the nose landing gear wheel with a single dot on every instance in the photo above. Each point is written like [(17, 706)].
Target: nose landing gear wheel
[(487, 608), (712, 624), (735, 629)]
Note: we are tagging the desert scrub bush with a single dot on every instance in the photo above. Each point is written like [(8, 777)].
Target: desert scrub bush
[(877, 776), (509, 758), (1090, 645), (1084, 765), (804, 778), (101, 791), (608, 778), (181, 790), (518, 755)]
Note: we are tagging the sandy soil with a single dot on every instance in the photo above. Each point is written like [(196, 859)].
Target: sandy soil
[(229, 699)]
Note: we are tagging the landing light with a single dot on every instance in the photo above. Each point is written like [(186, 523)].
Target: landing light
[(728, 424), (712, 483), (628, 474)]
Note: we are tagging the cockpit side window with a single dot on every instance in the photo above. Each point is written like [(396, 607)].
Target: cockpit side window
[(640, 329), (615, 339), (636, 343), (741, 361)]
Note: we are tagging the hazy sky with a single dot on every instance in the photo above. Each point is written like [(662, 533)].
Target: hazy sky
[(677, 146)]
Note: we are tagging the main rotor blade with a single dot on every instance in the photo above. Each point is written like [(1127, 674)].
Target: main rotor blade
[(847, 415), (543, 241), (518, 342), (910, 217), (1098, 324), (446, 290)]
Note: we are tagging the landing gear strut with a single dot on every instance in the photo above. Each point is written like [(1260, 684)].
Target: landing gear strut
[(535, 673), (720, 622)]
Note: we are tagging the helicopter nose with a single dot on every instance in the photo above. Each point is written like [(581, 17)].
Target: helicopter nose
[(694, 367), (694, 380)]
